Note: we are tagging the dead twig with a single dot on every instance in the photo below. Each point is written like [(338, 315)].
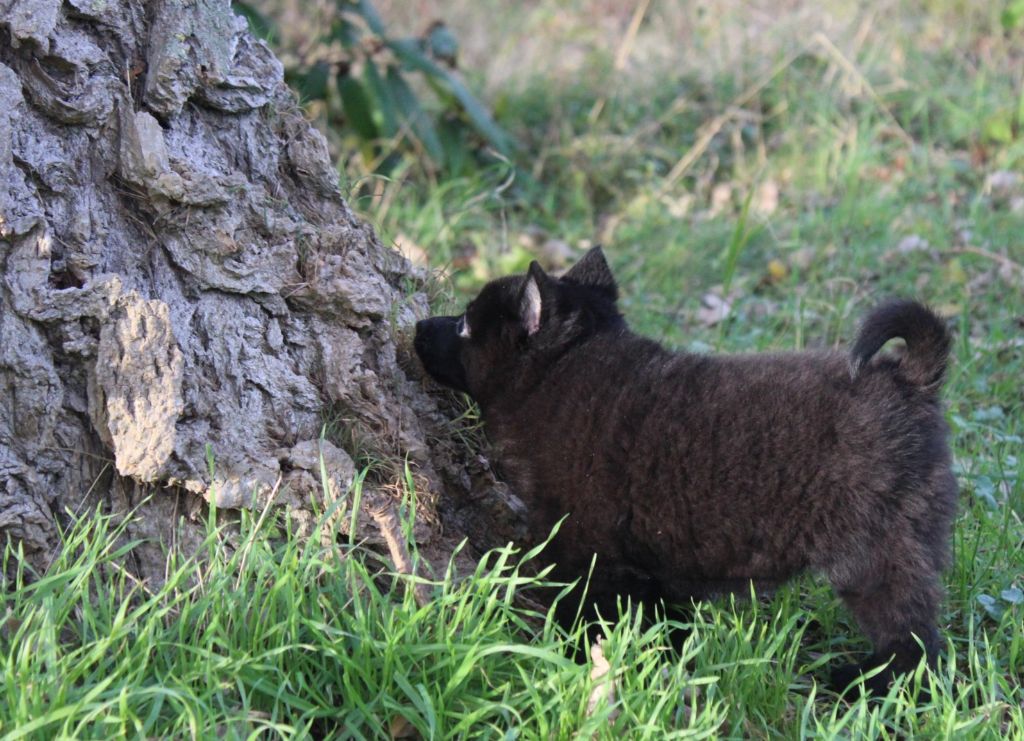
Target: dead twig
[(850, 68), (622, 55), (386, 518), (710, 129)]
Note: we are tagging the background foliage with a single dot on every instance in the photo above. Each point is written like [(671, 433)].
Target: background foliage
[(357, 77)]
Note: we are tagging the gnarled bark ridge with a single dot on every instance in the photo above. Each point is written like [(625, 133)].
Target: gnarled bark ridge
[(180, 275)]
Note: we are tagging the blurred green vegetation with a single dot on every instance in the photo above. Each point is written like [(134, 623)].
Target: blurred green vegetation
[(358, 74)]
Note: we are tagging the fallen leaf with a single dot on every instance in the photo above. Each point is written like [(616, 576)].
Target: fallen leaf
[(721, 198), (912, 243), (766, 198), (714, 309), (411, 251), (803, 258), (401, 728), (777, 270), (1001, 186)]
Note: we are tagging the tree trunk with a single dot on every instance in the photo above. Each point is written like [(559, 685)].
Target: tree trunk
[(186, 299)]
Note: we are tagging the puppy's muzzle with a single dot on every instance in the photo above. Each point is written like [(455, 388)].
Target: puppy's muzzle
[(439, 347)]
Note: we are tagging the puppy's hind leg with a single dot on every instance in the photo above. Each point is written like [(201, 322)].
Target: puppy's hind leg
[(896, 603)]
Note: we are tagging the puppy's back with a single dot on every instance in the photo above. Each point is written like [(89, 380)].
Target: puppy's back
[(732, 467)]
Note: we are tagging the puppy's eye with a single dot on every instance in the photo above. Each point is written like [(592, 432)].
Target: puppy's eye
[(463, 327)]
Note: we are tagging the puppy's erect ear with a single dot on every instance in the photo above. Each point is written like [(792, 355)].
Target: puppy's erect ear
[(592, 270), (536, 292)]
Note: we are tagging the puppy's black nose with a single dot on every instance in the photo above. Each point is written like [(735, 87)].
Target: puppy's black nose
[(438, 345)]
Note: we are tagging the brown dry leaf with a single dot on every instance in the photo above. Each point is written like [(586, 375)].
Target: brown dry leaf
[(411, 251), (721, 198), (766, 198), (401, 728)]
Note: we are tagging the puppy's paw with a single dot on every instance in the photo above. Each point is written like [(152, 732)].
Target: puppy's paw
[(846, 681), (843, 677)]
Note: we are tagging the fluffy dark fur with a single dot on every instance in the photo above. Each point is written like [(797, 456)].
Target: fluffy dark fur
[(691, 475)]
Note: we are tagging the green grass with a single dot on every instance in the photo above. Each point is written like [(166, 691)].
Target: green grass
[(305, 640), (276, 637)]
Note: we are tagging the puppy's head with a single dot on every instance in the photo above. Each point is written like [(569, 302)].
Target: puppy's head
[(518, 324)]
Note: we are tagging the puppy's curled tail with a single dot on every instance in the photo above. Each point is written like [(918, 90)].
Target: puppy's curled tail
[(927, 338)]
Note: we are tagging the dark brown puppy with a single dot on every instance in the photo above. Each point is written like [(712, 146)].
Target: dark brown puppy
[(690, 475)]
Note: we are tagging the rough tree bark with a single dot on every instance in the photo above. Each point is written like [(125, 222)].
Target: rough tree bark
[(180, 274)]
